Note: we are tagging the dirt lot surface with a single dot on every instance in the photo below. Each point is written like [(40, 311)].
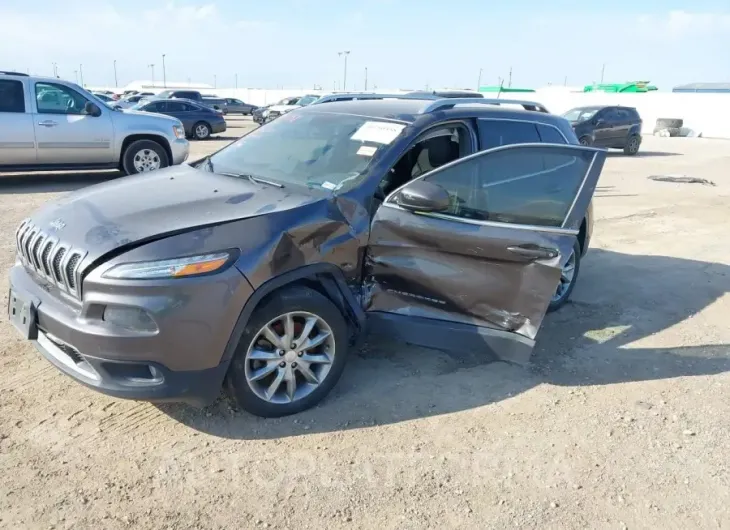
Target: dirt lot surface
[(622, 421)]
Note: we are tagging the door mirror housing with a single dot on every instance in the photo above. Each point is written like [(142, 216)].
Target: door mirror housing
[(92, 109), (422, 196), (599, 121)]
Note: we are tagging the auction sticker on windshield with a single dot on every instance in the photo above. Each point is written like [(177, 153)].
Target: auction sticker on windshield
[(378, 132)]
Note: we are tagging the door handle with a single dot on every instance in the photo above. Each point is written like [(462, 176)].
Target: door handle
[(533, 252), (47, 123)]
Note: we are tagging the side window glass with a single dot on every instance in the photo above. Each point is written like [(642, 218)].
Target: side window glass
[(527, 186), (175, 106), (439, 147), (11, 96), (58, 99), (495, 133), (550, 135)]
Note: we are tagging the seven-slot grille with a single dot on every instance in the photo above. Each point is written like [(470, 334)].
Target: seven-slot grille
[(49, 257)]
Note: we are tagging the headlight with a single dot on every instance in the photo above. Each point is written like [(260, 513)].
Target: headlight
[(170, 268), (179, 131)]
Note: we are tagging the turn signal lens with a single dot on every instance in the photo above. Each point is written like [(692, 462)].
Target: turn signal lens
[(170, 268)]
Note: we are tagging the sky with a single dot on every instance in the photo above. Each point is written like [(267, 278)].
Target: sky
[(402, 43)]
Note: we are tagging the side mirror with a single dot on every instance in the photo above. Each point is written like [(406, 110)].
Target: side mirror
[(599, 121), (92, 110), (421, 196)]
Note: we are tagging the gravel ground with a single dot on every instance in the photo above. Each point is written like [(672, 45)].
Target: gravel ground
[(621, 421)]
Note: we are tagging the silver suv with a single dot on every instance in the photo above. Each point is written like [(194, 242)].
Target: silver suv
[(51, 124)]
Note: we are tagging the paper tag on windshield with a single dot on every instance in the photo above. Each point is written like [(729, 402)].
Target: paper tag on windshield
[(328, 185), (378, 132), (367, 150)]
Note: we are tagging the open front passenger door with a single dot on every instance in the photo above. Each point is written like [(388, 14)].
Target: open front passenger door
[(480, 273)]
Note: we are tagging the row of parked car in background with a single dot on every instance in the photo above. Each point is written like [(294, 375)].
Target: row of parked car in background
[(50, 124)]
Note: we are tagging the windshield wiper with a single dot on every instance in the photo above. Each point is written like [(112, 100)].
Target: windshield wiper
[(254, 178)]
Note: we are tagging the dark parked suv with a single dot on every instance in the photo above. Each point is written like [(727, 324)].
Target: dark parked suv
[(440, 222), (614, 127)]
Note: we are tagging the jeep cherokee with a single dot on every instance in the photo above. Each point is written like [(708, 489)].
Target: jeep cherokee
[(443, 223)]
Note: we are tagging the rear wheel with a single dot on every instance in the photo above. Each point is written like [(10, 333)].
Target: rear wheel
[(632, 145), (201, 130), (568, 278), (290, 355), (143, 156)]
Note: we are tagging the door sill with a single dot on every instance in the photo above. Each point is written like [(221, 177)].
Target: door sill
[(454, 337)]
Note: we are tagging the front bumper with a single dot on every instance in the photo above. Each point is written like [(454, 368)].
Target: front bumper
[(180, 149), (184, 360)]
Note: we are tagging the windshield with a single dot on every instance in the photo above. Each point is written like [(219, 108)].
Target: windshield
[(580, 114), (165, 94), (306, 100), (318, 150)]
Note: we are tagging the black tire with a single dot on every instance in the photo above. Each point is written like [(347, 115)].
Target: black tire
[(199, 134), (140, 146), (668, 123), (632, 145), (586, 140), (287, 300), (558, 303)]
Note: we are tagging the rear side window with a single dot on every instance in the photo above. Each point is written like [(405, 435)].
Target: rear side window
[(633, 114), (493, 133), (550, 135), (11, 96)]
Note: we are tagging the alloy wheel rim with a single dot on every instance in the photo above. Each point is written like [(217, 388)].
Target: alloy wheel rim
[(146, 160), (633, 144), (567, 274), (290, 357), (201, 131)]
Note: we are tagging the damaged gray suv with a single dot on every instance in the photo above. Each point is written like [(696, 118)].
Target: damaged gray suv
[(450, 223)]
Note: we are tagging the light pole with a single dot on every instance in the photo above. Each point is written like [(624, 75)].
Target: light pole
[(152, 67), (76, 76), (164, 74), (344, 78), (116, 84), (215, 81), (603, 69), (366, 79), (54, 70), (479, 81), (81, 74), (236, 80)]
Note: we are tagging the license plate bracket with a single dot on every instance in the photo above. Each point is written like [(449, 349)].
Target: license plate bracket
[(22, 313)]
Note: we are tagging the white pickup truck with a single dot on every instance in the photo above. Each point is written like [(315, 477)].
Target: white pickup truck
[(47, 124)]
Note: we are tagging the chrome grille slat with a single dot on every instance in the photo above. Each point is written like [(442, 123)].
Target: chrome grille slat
[(49, 257)]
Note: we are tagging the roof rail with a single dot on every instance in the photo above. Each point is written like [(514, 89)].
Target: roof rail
[(449, 103), (346, 96), (13, 73)]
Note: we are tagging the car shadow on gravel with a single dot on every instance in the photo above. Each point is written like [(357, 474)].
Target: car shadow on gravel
[(602, 338), (55, 182)]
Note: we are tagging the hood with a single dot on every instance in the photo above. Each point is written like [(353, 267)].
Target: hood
[(139, 208), (150, 115), (283, 108)]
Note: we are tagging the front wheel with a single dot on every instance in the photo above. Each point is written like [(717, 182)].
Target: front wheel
[(291, 354), (143, 156), (586, 140), (568, 278)]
